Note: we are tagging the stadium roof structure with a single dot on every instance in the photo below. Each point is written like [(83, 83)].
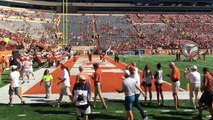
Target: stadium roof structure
[(116, 5)]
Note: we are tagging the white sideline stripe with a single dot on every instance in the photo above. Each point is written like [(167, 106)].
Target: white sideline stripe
[(119, 111), (187, 110), (22, 115), (96, 112), (165, 110)]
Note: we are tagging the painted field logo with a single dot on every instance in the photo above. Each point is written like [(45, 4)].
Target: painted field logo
[(190, 51)]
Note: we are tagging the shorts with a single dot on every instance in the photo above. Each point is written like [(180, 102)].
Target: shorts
[(15, 90), (83, 111), (206, 98), (98, 88), (27, 71), (175, 86), (129, 102), (148, 84), (65, 91)]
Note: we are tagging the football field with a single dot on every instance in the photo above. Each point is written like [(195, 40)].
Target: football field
[(115, 111)]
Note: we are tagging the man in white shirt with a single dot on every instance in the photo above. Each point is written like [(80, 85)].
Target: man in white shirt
[(129, 87), (135, 75), (65, 85), (195, 79), (14, 84)]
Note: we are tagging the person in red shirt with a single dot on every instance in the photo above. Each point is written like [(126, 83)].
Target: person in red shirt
[(3, 62), (74, 56), (97, 77), (207, 96), (103, 57), (89, 56), (88, 79), (175, 79)]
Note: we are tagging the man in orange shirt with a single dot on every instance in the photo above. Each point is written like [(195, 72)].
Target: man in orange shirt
[(206, 98), (175, 79), (88, 79), (97, 83)]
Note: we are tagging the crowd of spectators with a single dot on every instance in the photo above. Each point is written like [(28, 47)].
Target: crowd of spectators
[(24, 27)]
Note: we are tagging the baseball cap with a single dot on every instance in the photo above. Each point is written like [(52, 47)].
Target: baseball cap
[(172, 63), (126, 72), (14, 67), (194, 67)]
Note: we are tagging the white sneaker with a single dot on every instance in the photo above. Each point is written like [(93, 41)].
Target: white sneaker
[(146, 118)]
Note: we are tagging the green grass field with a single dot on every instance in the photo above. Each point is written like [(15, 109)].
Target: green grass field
[(165, 60), (154, 112), (67, 112)]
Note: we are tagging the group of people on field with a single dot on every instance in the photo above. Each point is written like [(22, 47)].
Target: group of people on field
[(131, 86)]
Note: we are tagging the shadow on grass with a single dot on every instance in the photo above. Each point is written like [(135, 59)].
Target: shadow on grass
[(54, 112), (25, 96), (170, 118), (105, 117), (50, 105)]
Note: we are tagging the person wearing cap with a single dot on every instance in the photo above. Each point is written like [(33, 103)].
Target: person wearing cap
[(14, 85), (129, 87), (65, 85), (135, 75), (97, 77), (147, 82), (82, 95), (175, 79), (47, 78), (195, 79)]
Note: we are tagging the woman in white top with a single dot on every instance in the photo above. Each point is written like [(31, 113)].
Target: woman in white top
[(158, 83), (147, 82)]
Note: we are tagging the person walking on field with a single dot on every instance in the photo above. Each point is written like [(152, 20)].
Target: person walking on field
[(158, 84), (65, 85), (195, 79), (14, 85), (206, 98), (129, 87), (175, 79), (47, 78), (81, 70), (27, 66), (97, 77), (82, 95), (134, 74), (89, 56)]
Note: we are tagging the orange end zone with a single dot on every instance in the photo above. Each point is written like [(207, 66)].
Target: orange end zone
[(110, 83)]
